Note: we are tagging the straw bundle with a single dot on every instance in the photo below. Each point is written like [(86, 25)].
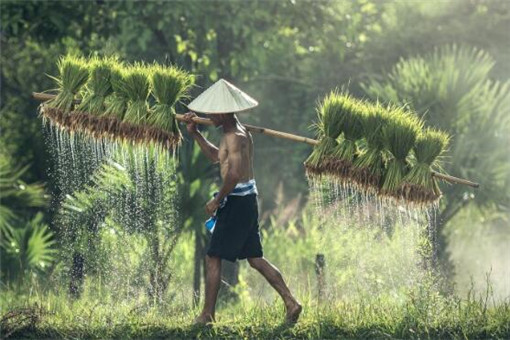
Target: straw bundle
[(98, 86), (399, 136), (73, 74), (329, 114), (168, 86), (137, 89), (116, 100), (368, 147), (419, 185), (361, 144), (343, 155), (367, 169), (116, 103)]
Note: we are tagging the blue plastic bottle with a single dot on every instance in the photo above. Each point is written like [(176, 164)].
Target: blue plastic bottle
[(210, 224)]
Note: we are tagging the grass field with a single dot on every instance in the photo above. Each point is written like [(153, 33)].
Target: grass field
[(375, 287), (419, 314)]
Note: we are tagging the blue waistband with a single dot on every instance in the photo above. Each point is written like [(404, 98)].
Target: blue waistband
[(246, 188), (241, 189)]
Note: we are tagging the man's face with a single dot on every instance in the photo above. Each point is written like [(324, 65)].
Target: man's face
[(217, 119)]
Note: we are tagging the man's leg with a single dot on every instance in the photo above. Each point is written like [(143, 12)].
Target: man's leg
[(212, 285), (275, 279)]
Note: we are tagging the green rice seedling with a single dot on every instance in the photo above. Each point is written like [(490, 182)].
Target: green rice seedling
[(168, 86), (352, 130), (73, 74), (116, 103), (368, 168), (399, 136), (98, 87), (136, 85), (419, 184), (329, 117)]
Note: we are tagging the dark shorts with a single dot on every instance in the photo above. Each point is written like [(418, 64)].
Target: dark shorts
[(236, 234)]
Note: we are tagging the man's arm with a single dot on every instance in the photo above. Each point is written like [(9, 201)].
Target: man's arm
[(208, 148)]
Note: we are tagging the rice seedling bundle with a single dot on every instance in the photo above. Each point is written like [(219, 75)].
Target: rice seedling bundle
[(344, 123), (168, 85), (329, 114), (343, 155), (116, 103), (73, 74), (98, 86), (419, 185), (399, 136), (137, 88), (368, 168)]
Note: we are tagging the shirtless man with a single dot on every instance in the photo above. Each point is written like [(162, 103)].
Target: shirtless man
[(236, 234)]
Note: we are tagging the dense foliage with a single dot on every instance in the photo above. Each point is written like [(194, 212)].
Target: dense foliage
[(449, 62)]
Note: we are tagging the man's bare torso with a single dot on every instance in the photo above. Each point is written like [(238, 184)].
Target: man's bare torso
[(246, 147)]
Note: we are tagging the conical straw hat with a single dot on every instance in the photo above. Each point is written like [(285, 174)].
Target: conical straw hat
[(222, 97)]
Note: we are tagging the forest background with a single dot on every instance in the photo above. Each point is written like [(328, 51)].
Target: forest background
[(287, 55)]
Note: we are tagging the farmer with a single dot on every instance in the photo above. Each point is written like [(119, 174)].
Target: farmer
[(234, 209)]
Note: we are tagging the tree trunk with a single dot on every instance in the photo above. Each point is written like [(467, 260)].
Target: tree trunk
[(320, 263), (159, 271), (77, 276), (229, 279), (440, 260)]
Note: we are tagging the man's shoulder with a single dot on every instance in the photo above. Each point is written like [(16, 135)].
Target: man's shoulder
[(235, 135), (235, 139)]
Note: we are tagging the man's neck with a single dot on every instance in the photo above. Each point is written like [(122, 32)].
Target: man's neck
[(230, 124)]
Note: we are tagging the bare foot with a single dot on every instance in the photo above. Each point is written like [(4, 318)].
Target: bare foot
[(203, 320), (293, 311)]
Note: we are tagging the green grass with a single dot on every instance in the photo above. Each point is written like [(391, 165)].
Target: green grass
[(421, 315), (375, 288)]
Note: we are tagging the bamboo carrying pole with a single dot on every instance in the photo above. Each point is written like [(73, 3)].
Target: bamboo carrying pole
[(205, 121)]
